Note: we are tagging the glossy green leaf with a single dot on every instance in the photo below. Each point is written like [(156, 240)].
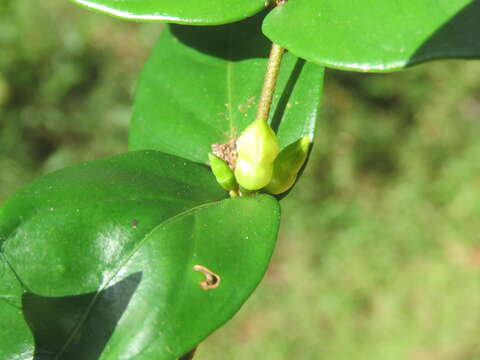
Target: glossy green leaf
[(15, 336), (196, 12), (97, 259), (200, 86), (376, 36), (233, 238)]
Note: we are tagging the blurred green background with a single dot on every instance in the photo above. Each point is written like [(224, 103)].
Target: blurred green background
[(379, 252)]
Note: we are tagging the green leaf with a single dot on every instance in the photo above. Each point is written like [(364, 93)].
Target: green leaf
[(98, 259), (200, 86), (377, 36), (233, 238), (53, 320), (15, 336), (196, 12)]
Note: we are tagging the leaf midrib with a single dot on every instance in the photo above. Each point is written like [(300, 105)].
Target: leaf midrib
[(229, 76)]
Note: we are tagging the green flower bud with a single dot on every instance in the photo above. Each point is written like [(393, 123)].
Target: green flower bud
[(257, 149), (222, 172), (287, 165)]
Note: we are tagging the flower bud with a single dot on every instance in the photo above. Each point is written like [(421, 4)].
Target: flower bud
[(287, 165), (257, 149), (222, 172)]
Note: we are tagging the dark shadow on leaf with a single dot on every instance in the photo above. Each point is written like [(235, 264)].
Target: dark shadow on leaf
[(52, 320), (458, 38), (234, 42), (286, 93)]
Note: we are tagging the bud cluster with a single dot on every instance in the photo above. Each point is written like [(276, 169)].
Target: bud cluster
[(260, 164)]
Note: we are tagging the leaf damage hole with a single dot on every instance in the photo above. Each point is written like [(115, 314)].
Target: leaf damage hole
[(211, 281), (134, 223)]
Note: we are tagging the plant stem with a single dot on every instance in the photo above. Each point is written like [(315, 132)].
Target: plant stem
[(273, 68), (189, 355)]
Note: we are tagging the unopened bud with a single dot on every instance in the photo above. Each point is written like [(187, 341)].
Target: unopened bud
[(257, 149), (222, 172), (287, 165)]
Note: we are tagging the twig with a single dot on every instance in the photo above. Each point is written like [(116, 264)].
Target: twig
[(273, 68)]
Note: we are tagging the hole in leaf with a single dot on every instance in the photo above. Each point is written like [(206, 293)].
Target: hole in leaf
[(211, 281)]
